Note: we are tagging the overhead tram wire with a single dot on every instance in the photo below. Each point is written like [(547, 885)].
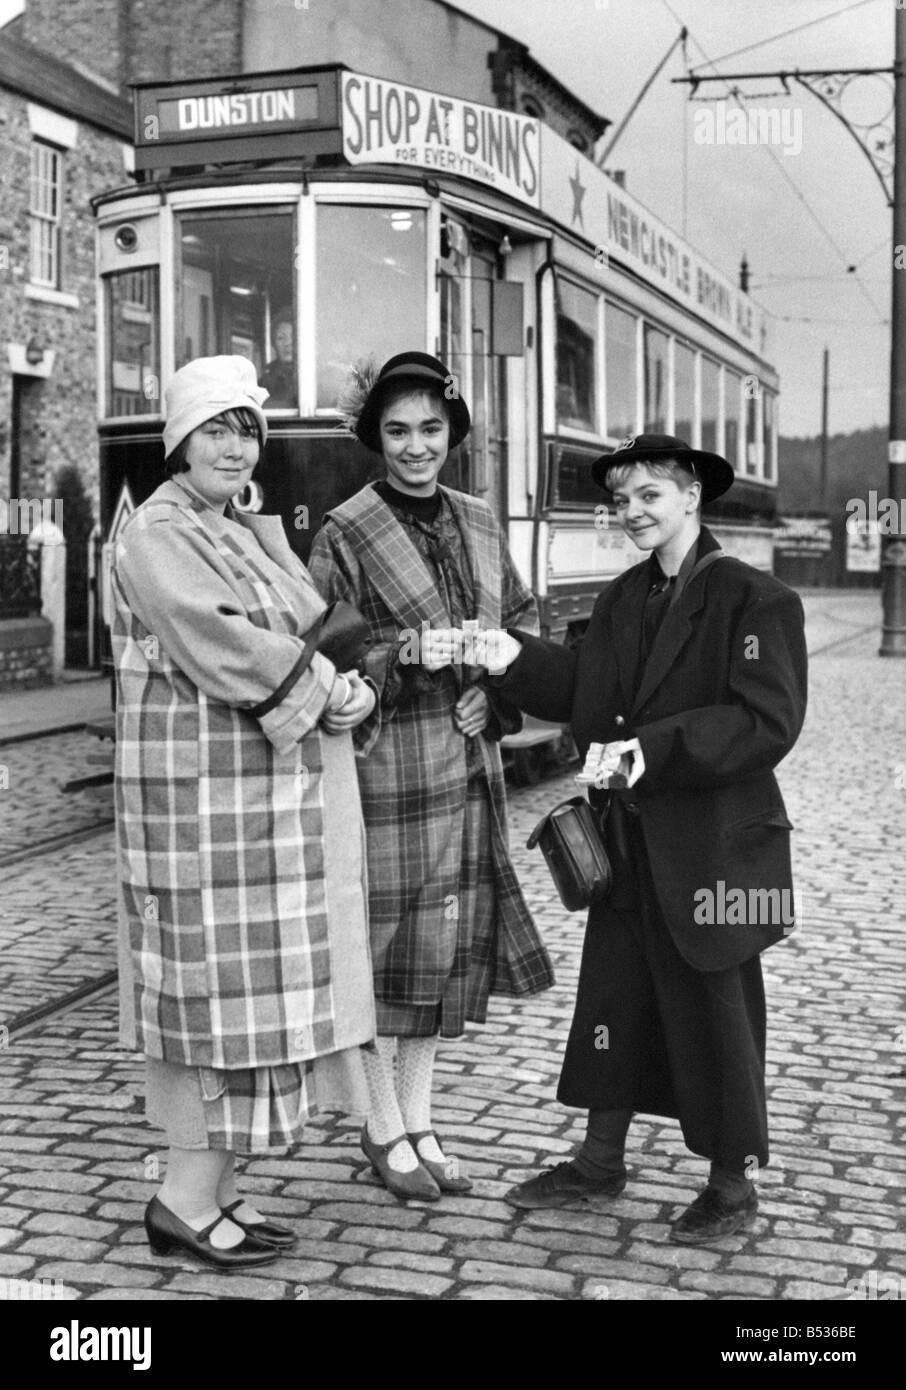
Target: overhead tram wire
[(734, 93), (809, 24)]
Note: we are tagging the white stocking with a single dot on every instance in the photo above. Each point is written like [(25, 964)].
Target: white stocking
[(385, 1122), (416, 1075)]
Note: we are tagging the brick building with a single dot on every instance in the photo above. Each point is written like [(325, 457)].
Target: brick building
[(63, 136), (125, 41), (66, 122)]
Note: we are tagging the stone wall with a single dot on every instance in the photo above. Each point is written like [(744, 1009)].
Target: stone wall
[(25, 653), (123, 41)]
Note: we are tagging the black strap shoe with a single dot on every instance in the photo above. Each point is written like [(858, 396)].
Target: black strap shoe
[(166, 1234), (280, 1237), (448, 1175), (563, 1186), (711, 1216)]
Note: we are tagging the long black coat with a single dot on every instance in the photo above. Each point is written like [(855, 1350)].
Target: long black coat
[(720, 702)]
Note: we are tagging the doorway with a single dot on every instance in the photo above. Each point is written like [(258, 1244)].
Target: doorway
[(469, 266)]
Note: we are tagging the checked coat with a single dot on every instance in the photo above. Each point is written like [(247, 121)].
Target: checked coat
[(415, 778), (239, 824)]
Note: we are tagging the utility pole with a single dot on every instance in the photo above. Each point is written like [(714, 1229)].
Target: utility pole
[(829, 85), (823, 492), (893, 547)]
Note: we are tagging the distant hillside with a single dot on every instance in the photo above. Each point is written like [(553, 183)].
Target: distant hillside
[(855, 463)]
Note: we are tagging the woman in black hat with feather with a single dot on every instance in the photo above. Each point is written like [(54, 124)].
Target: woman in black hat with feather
[(692, 674), (448, 921)]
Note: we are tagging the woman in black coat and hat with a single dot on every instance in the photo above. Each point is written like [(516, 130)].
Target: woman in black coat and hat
[(692, 674)]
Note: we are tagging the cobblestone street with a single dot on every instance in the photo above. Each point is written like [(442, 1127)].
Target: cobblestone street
[(78, 1163)]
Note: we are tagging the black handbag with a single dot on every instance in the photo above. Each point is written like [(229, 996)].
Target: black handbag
[(343, 635), (571, 843)]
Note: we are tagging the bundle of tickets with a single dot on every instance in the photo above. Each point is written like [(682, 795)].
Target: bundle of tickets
[(603, 769), (470, 629)]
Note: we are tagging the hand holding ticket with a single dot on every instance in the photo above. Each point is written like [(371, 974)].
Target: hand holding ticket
[(612, 766)]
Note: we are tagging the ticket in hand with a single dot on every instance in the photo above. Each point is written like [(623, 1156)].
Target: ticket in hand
[(603, 769)]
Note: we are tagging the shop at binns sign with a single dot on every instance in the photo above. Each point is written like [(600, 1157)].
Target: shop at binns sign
[(389, 123)]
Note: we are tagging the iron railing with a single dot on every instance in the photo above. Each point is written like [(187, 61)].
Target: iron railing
[(20, 578)]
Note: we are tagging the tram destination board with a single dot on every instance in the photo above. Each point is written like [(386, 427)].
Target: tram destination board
[(292, 114)]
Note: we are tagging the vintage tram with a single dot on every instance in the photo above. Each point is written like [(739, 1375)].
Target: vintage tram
[(309, 218)]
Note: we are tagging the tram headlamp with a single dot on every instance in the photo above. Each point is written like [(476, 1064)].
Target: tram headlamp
[(126, 237)]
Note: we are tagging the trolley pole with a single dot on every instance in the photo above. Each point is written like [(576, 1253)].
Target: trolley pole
[(893, 547)]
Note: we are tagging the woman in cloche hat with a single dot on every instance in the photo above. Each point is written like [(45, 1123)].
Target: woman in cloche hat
[(448, 922), (692, 675), (244, 966)]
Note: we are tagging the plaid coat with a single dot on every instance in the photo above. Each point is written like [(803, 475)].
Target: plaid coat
[(246, 938), (414, 780)]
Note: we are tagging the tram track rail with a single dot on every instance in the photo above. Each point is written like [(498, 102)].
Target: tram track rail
[(97, 984), (50, 1009), (55, 842)]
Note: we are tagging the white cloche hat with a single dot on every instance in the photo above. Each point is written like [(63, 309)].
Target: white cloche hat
[(208, 387)]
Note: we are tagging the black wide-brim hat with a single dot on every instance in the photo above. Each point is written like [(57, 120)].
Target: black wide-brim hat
[(425, 373), (713, 472)]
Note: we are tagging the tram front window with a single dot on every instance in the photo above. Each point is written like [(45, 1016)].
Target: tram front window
[(234, 294), (371, 289), (133, 342)]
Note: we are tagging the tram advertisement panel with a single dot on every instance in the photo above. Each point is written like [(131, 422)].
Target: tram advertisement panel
[(582, 197), (389, 123)]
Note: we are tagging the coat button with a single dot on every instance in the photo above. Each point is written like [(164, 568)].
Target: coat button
[(619, 721)]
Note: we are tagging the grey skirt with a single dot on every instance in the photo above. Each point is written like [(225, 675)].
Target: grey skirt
[(254, 1111)]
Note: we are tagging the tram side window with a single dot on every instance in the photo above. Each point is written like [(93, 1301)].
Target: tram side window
[(684, 392), (371, 289), (753, 423), (733, 421), (234, 295), (577, 331), (657, 369), (710, 405), (133, 342), (770, 457), (622, 372)]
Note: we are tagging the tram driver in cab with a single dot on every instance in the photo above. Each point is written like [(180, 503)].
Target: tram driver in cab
[(279, 376)]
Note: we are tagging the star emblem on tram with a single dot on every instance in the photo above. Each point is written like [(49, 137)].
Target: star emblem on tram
[(579, 192)]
